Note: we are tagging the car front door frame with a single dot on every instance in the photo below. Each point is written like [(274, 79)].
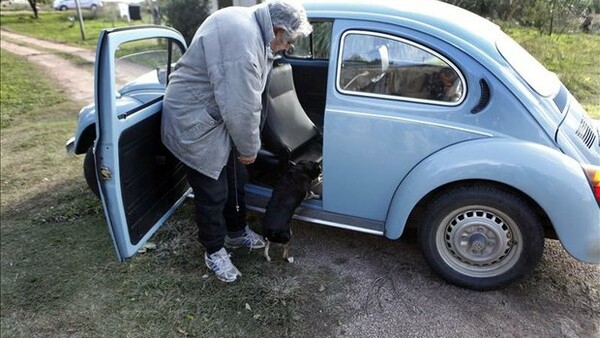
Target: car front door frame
[(109, 126)]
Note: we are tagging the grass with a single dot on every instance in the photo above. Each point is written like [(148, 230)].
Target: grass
[(60, 27), (573, 57), (59, 274), (19, 105)]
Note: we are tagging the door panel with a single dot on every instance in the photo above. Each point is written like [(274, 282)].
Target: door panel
[(152, 179), (379, 125), (141, 183)]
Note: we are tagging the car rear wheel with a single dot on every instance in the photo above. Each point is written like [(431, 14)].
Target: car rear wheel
[(89, 171), (93, 8), (63, 8), (481, 238)]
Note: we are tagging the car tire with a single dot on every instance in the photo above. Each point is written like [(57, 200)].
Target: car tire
[(63, 8), (89, 171), (93, 8), (481, 237)]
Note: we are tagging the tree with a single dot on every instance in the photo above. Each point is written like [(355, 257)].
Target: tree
[(547, 16), (554, 16), (186, 16), (33, 4)]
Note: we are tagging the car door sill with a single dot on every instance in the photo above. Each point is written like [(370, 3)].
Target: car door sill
[(258, 197)]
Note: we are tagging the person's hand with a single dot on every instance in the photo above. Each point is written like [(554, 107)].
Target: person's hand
[(246, 159)]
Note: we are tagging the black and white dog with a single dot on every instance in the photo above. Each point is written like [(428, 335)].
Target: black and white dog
[(293, 188)]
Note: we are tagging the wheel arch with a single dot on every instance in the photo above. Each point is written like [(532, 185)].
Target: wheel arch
[(541, 175), (86, 139), (415, 216)]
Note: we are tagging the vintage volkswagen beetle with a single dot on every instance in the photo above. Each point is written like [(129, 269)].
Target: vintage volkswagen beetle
[(423, 114)]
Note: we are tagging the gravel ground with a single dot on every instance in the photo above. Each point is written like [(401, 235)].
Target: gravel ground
[(394, 293), (391, 291)]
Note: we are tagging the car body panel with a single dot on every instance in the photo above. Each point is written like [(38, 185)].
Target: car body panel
[(586, 145), (373, 170), (402, 133), (133, 94), (421, 20), (543, 174)]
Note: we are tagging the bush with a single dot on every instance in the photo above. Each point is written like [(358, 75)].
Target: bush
[(186, 16)]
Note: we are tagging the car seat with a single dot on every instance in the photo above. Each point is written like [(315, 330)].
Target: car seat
[(288, 134)]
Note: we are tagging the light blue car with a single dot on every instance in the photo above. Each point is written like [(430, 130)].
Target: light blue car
[(423, 115)]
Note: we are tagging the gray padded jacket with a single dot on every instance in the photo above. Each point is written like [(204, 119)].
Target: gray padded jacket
[(214, 93)]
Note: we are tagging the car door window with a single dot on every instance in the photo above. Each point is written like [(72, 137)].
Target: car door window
[(136, 58), (316, 45), (374, 64)]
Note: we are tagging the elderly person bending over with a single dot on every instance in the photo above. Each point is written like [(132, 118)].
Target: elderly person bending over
[(211, 116)]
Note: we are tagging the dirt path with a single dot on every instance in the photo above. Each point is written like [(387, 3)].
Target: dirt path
[(385, 288), (77, 81)]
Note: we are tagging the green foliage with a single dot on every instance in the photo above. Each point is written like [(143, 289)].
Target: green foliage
[(573, 57), (554, 16), (547, 16), (186, 16), (24, 92), (62, 26)]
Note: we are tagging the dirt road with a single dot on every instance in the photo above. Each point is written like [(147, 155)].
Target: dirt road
[(77, 81), (391, 292)]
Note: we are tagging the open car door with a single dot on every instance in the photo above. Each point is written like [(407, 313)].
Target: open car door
[(141, 183)]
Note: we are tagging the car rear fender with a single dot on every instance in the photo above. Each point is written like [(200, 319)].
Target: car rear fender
[(85, 134), (556, 182), (86, 129)]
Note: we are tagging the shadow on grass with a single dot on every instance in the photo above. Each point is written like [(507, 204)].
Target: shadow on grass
[(60, 277)]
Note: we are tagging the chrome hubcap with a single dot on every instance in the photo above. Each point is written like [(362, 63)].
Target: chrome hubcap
[(479, 241)]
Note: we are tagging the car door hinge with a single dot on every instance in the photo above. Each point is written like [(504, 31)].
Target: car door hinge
[(105, 173)]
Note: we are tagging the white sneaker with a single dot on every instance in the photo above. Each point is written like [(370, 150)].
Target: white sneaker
[(221, 265), (249, 239)]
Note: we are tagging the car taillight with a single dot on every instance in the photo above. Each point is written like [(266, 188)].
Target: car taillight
[(593, 174)]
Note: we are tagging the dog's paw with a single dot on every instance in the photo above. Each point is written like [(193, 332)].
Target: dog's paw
[(311, 195), (289, 259), (266, 250)]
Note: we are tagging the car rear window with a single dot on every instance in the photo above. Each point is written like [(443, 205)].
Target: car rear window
[(531, 70)]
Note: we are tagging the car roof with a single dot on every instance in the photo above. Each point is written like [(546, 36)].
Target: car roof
[(436, 18)]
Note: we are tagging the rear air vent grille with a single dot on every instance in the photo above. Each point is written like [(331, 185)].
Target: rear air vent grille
[(586, 133), (484, 99), (561, 98)]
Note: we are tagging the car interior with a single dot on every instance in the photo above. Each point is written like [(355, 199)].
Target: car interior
[(288, 134), (288, 137)]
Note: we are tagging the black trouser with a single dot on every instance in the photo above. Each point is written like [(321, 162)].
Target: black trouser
[(216, 211)]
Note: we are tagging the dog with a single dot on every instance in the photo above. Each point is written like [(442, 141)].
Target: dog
[(293, 188)]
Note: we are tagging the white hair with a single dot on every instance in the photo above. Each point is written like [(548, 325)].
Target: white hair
[(289, 16)]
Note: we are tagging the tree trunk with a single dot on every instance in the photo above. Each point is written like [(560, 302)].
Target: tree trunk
[(33, 5), (552, 14)]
